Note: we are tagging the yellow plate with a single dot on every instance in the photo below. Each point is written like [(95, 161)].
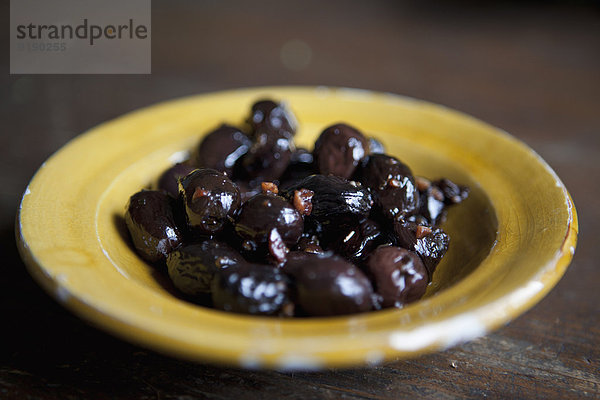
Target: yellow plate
[(511, 241)]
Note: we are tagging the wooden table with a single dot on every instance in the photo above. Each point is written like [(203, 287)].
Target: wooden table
[(532, 70)]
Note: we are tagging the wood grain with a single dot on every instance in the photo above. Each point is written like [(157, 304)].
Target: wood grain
[(530, 69)]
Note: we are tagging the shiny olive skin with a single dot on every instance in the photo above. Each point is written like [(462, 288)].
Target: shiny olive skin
[(432, 205), (152, 226), (339, 149), (328, 285), (453, 193), (192, 267), (210, 198), (399, 275), (375, 146), (271, 116), (309, 244), (435, 197), (169, 180), (430, 247), (392, 185), (268, 157), (222, 148), (252, 289), (263, 213), (335, 200), (356, 243)]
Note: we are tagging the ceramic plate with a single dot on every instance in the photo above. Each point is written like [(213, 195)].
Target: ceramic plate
[(511, 241)]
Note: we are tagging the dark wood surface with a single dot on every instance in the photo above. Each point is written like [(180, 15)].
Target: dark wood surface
[(533, 70)]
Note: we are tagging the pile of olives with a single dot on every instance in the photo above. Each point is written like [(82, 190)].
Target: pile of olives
[(252, 224)]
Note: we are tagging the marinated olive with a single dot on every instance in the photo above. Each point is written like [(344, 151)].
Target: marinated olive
[(339, 149), (392, 185), (168, 181), (192, 267), (310, 244), (453, 193), (356, 243), (429, 243), (399, 275), (334, 200), (268, 157), (271, 116), (432, 205), (222, 148), (252, 289), (151, 223), (328, 285), (211, 199), (266, 222)]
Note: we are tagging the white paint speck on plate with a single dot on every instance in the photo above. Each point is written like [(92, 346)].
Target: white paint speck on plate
[(297, 362), (445, 333)]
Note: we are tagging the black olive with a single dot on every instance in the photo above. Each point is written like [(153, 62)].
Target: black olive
[(310, 244), (429, 243), (271, 116), (435, 197), (328, 285), (211, 199), (252, 289), (339, 149), (268, 157), (151, 223), (335, 200), (222, 148), (432, 206), (398, 274), (193, 266), (392, 185), (168, 181), (267, 223), (356, 243), (453, 193)]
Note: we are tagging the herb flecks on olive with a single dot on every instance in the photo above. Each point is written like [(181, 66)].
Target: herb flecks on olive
[(335, 200), (430, 244), (392, 184), (303, 201), (210, 198), (262, 214)]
